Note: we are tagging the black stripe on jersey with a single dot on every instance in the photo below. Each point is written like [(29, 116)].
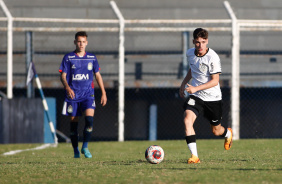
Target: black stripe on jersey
[(82, 59), (215, 73), (202, 55)]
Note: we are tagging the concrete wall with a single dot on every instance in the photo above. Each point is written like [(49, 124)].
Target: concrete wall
[(21, 121)]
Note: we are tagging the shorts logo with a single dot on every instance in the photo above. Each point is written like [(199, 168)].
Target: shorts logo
[(70, 109), (90, 66), (191, 102), (93, 105)]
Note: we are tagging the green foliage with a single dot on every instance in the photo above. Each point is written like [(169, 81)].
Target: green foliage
[(248, 161)]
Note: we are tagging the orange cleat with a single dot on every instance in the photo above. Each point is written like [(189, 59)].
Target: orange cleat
[(193, 160), (228, 141)]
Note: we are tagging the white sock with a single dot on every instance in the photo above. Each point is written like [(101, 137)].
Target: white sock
[(228, 134), (193, 148)]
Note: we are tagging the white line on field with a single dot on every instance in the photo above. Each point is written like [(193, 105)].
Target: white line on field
[(36, 148)]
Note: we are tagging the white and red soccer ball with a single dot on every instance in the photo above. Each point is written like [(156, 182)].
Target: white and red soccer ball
[(154, 154)]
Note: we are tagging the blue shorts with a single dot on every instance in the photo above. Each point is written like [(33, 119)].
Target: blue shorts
[(77, 108)]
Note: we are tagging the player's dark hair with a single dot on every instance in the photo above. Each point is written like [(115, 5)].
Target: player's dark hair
[(81, 33), (200, 33)]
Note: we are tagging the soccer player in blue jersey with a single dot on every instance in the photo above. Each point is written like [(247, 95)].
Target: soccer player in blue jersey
[(77, 73)]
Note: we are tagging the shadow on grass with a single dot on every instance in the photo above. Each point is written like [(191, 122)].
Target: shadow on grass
[(181, 162), (165, 165), (217, 169), (122, 162)]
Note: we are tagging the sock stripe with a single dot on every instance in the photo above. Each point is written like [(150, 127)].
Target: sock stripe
[(190, 139)]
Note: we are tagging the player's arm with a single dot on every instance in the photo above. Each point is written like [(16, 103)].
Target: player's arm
[(184, 82), (213, 82), (70, 92), (101, 85)]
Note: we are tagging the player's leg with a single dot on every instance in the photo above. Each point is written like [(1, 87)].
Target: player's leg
[(192, 108), (213, 111), (189, 119), (219, 130), (71, 109), (74, 135), (88, 127), (89, 106)]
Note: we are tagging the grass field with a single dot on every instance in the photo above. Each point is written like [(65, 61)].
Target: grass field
[(248, 161)]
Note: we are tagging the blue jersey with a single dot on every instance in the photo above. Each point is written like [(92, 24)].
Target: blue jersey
[(79, 72)]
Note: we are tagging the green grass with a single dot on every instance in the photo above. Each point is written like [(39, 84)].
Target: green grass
[(248, 161)]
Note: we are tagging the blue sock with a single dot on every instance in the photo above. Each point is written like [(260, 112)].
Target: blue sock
[(76, 150), (87, 132), (85, 145)]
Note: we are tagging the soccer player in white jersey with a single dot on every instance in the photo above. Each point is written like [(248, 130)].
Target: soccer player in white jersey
[(204, 92), (77, 73)]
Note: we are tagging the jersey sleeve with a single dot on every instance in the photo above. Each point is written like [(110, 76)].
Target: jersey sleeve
[(64, 65), (96, 67), (215, 65)]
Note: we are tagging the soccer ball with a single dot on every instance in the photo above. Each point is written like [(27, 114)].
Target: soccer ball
[(154, 154)]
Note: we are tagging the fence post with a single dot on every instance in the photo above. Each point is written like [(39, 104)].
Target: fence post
[(9, 50), (235, 88), (121, 73), (153, 122)]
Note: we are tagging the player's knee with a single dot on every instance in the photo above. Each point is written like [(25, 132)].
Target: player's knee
[(188, 123), (89, 123)]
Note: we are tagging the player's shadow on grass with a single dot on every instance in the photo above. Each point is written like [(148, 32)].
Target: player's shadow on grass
[(252, 169), (140, 161), (238, 169), (124, 162)]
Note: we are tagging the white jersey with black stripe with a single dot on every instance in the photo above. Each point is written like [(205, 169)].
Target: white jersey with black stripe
[(202, 67)]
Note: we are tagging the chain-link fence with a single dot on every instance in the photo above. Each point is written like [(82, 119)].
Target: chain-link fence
[(261, 76), (153, 73)]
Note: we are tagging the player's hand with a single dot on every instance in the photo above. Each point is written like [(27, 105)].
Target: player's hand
[(104, 100), (190, 89), (70, 93)]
